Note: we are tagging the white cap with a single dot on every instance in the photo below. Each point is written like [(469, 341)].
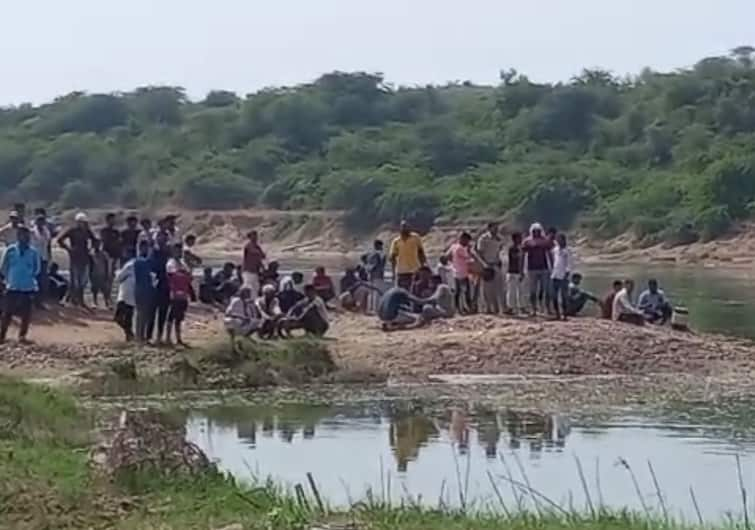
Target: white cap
[(81, 217), (14, 215), (268, 289)]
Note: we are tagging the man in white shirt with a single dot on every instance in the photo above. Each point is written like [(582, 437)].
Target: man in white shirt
[(8, 231), (126, 301), (623, 309), (562, 266), (654, 304), (241, 316), (40, 241)]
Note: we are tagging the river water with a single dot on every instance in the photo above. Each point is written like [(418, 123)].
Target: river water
[(449, 456), (446, 456)]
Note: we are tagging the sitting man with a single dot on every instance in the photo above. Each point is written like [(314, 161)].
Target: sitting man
[(395, 309), (423, 285), (355, 292), (226, 284), (623, 310), (441, 303), (290, 295), (607, 304), (654, 305), (57, 287), (241, 316), (270, 313), (309, 314), (323, 284), (576, 297)]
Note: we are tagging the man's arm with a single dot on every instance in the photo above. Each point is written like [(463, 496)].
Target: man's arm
[(4, 264), (644, 301), (62, 240), (421, 252)]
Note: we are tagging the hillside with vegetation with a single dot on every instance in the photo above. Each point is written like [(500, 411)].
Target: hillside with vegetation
[(666, 155)]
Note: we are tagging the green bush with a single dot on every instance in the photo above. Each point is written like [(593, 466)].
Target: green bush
[(78, 194), (713, 222), (219, 190)]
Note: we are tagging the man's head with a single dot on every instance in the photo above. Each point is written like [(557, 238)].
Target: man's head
[(132, 221), (268, 291), (96, 245), (190, 240), (465, 238), (561, 240), (310, 291), (443, 260), (273, 267), (253, 236), (349, 272), (297, 278), (629, 285), (551, 232), (228, 269), (146, 223), (143, 248), (516, 238), (320, 271), (493, 228), (110, 220), (576, 278), (81, 220), (536, 230), (40, 212), (207, 271), (405, 230), (378, 245), (14, 218), (245, 293), (40, 221), (618, 285), (170, 222), (653, 285), (23, 236)]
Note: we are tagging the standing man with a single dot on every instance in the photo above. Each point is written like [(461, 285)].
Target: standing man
[(489, 248), (77, 241), (113, 248), (375, 264), (537, 258), (129, 238), (40, 241), (144, 291), (253, 263), (20, 268), (407, 256)]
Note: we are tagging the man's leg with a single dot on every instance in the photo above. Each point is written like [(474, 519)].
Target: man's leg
[(42, 282), (24, 304), (9, 307), (534, 282)]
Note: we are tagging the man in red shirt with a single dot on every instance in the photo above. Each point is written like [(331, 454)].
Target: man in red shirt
[(253, 263), (181, 291)]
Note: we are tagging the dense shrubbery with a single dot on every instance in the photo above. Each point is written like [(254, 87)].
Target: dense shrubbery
[(663, 155)]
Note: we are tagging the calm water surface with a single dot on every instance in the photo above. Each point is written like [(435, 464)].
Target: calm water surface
[(449, 454)]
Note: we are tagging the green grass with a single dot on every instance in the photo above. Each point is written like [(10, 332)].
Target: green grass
[(47, 482)]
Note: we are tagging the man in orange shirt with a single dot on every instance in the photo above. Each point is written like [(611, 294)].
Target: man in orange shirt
[(407, 256)]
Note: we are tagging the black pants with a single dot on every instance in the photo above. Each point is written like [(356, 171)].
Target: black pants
[(559, 291), (463, 294), (313, 323), (159, 315), (16, 303), (124, 317), (144, 314), (42, 282)]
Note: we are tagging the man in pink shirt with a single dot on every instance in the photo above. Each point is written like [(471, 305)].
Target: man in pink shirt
[(460, 256)]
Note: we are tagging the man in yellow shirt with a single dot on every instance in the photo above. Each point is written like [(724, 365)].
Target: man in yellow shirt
[(407, 256)]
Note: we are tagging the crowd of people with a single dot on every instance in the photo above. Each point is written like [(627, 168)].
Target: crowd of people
[(151, 269)]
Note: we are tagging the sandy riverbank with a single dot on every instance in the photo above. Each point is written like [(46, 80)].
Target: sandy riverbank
[(537, 362)]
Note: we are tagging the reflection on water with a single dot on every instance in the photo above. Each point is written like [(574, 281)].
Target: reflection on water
[(718, 302), (349, 450)]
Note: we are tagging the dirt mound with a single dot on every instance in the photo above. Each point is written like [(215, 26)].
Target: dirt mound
[(495, 345)]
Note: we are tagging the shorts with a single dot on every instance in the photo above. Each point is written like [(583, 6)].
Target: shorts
[(177, 310), (405, 280), (18, 303)]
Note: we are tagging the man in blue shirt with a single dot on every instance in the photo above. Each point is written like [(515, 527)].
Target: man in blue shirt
[(19, 267), (144, 290)]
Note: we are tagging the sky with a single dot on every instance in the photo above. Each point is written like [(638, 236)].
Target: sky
[(52, 47)]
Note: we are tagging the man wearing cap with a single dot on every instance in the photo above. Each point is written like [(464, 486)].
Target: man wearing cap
[(8, 231), (19, 267), (77, 241), (40, 241)]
